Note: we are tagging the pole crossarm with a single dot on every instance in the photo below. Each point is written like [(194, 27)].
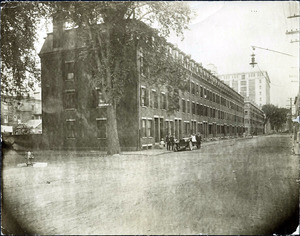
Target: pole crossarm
[(293, 31), (293, 16)]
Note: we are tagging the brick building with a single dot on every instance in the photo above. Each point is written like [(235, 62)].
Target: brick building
[(254, 119), (19, 111), (74, 114)]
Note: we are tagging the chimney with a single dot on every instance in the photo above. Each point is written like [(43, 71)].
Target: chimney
[(58, 27)]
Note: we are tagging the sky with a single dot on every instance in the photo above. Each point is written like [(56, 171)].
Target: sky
[(222, 33)]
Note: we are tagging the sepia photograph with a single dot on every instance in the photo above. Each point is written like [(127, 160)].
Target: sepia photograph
[(150, 117)]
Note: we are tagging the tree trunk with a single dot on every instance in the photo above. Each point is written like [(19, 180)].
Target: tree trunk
[(113, 145)]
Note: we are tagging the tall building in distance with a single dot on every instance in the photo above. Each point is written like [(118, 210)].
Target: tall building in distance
[(253, 86)]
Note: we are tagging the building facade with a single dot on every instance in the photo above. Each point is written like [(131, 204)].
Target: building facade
[(254, 119), (74, 113), (253, 86), (19, 111)]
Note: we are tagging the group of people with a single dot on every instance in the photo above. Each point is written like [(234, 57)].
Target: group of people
[(170, 141)]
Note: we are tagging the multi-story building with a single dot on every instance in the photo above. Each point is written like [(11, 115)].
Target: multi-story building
[(19, 111), (253, 86), (254, 119), (74, 114)]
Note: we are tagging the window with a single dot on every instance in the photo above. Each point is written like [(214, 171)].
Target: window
[(183, 106), (163, 102), (172, 127), (69, 66), (197, 89), (32, 107), (5, 119), (141, 63), (201, 91), (70, 99), (101, 99), (144, 131), (194, 126), (154, 99), (149, 128), (167, 127), (70, 128), (101, 128), (193, 88), (198, 109), (193, 108), (188, 106), (204, 93), (187, 128), (144, 100)]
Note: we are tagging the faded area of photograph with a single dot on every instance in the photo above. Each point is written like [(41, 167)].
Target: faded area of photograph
[(150, 118)]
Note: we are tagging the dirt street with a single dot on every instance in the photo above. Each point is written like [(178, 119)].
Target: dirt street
[(234, 187)]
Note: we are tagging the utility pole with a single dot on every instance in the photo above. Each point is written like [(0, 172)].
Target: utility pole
[(293, 32), (290, 116), (293, 19)]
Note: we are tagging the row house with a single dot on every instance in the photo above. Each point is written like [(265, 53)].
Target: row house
[(209, 106), (254, 119), (74, 111)]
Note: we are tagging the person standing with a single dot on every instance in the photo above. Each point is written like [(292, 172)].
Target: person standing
[(198, 139), (172, 141), (168, 142)]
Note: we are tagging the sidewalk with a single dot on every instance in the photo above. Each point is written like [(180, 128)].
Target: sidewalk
[(56, 154), (156, 152)]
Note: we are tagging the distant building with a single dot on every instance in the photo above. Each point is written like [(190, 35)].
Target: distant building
[(254, 119), (212, 68), (19, 111), (253, 86)]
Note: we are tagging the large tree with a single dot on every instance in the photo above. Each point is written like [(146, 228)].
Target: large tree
[(19, 24), (111, 30), (275, 115)]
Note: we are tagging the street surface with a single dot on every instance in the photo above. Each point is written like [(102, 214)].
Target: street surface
[(245, 186)]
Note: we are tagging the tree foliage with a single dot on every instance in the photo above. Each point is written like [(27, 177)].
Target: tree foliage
[(110, 31), (275, 115), (19, 22), (113, 32)]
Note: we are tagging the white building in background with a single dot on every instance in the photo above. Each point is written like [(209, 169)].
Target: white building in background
[(213, 69), (253, 86)]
